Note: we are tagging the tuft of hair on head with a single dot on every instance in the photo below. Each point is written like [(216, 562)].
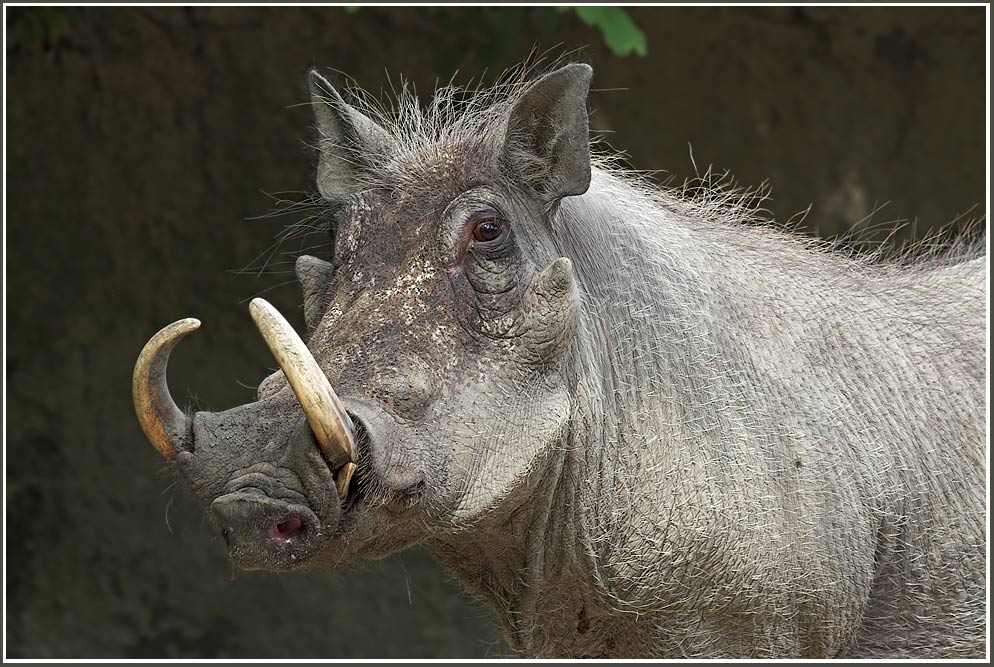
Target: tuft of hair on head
[(471, 114)]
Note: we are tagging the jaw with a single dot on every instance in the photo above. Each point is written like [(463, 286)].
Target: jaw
[(367, 534)]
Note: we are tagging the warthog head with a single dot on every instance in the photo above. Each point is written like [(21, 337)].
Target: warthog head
[(432, 392)]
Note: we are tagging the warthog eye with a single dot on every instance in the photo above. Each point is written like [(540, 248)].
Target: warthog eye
[(489, 229)]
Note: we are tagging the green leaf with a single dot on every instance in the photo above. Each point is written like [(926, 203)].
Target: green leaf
[(620, 33), (351, 9)]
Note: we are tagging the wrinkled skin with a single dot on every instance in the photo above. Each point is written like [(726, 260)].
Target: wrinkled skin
[(605, 451)]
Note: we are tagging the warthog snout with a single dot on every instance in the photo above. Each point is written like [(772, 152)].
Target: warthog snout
[(285, 489), (268, 516)]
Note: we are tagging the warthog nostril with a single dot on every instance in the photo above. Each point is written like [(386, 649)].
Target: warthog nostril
[(265, 532), (287, 529)]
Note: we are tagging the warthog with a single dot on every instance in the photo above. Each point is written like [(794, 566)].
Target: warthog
[(632, 426)]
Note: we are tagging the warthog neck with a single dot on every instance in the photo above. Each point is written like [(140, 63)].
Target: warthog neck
[(533, 567)]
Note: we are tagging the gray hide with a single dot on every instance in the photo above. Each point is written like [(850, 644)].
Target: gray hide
[(633, 426)]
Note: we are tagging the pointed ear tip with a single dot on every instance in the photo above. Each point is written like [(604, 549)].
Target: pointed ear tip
[(320, 84), (581, 70), (315, 82), (314, 76)]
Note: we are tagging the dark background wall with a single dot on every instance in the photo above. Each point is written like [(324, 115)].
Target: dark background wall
[(141, 140)]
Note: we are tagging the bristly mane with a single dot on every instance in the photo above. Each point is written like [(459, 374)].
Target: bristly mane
[(472, 117)]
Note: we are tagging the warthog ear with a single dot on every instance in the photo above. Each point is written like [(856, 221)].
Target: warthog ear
[(350, 143), (547, 145)]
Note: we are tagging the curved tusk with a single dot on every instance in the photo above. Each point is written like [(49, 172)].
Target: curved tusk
[(165, 425), (332, 426)]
